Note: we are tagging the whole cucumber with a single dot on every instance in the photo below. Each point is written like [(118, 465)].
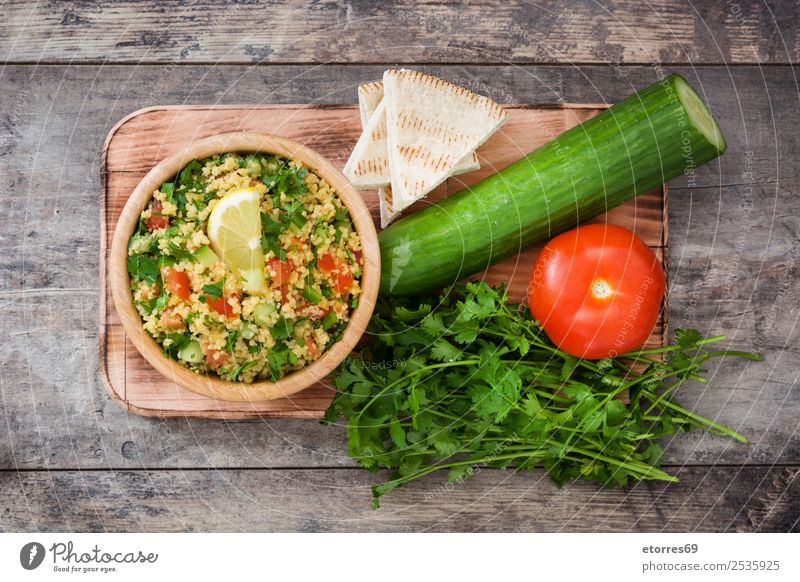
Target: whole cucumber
[(649, 138)]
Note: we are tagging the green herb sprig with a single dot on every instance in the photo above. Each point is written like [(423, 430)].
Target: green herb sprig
[(473, 380)]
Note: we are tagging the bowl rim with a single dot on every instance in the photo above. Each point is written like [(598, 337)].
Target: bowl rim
[(210, 384)]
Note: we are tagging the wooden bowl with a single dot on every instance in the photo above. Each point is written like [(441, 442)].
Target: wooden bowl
[(210, 384)]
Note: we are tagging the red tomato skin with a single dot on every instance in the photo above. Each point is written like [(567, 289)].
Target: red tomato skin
[(214, 358), (282, 269), (585, 324), (221, 305), (311, 345), (172, 321), (157, 222), (342, 282), (178, 283), (326, 263)]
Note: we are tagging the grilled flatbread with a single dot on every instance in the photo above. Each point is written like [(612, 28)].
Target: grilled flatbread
[(370, 96), (432, 126), (368, 166)]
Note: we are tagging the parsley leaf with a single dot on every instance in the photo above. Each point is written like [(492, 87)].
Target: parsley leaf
[(283, 329), (179, 253), (178, 341), (214, 290), (143, 268)]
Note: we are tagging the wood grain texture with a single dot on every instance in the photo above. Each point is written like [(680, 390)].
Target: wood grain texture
[(721, 499), (734, 259), (142, 140), (611, 32)]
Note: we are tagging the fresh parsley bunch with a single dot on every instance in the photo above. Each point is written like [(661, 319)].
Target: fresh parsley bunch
[(473, 380)]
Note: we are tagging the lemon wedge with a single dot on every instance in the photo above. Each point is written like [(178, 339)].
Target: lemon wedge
[(234, 228)]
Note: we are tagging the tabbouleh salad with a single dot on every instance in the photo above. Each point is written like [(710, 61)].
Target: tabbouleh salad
[(195, 305)]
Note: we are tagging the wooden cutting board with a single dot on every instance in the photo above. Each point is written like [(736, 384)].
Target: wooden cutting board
[(145, 137)]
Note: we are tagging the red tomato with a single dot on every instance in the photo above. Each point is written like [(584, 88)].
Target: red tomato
[(282, 269), (178, 283), (342, 282), (311, 345), (214, 358), (597, 291), (221, 305), (326, 263), (171, 320), (156, 222)]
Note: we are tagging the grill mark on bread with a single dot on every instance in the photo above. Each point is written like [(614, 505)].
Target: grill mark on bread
[(429, 137), (387, 198), (371, 166), (369, 88), (473, 99)]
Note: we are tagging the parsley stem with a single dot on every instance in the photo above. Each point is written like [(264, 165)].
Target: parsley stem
[(707, 421), (675, 347), (631, 464), (657, 400), (642, 469), (444, 414), (383, 390), (737, 354)]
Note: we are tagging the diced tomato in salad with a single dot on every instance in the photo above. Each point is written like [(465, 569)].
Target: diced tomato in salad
[(342, 282), (214, 358), (282, 270), (156, 221), (342, 279), (177, 283), (326, 263), (312, 311), (221, 305), (311, 345), (171, 320)]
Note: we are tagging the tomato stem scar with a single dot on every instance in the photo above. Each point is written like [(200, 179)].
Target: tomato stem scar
[(601, 289)]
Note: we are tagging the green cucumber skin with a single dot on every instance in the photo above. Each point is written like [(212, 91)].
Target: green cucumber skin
[(571, 179)]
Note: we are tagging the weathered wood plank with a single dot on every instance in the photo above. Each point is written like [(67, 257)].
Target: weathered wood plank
[(733, 262), (722, 499), (495, 31)]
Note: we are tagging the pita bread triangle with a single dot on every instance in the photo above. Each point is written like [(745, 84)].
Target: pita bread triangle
[(368, 165), (431, 126), (370, 96)]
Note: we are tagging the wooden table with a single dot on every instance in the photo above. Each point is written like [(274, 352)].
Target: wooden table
[(70, 459)]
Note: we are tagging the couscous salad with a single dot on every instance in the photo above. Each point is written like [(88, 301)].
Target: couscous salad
[(245, 265)]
